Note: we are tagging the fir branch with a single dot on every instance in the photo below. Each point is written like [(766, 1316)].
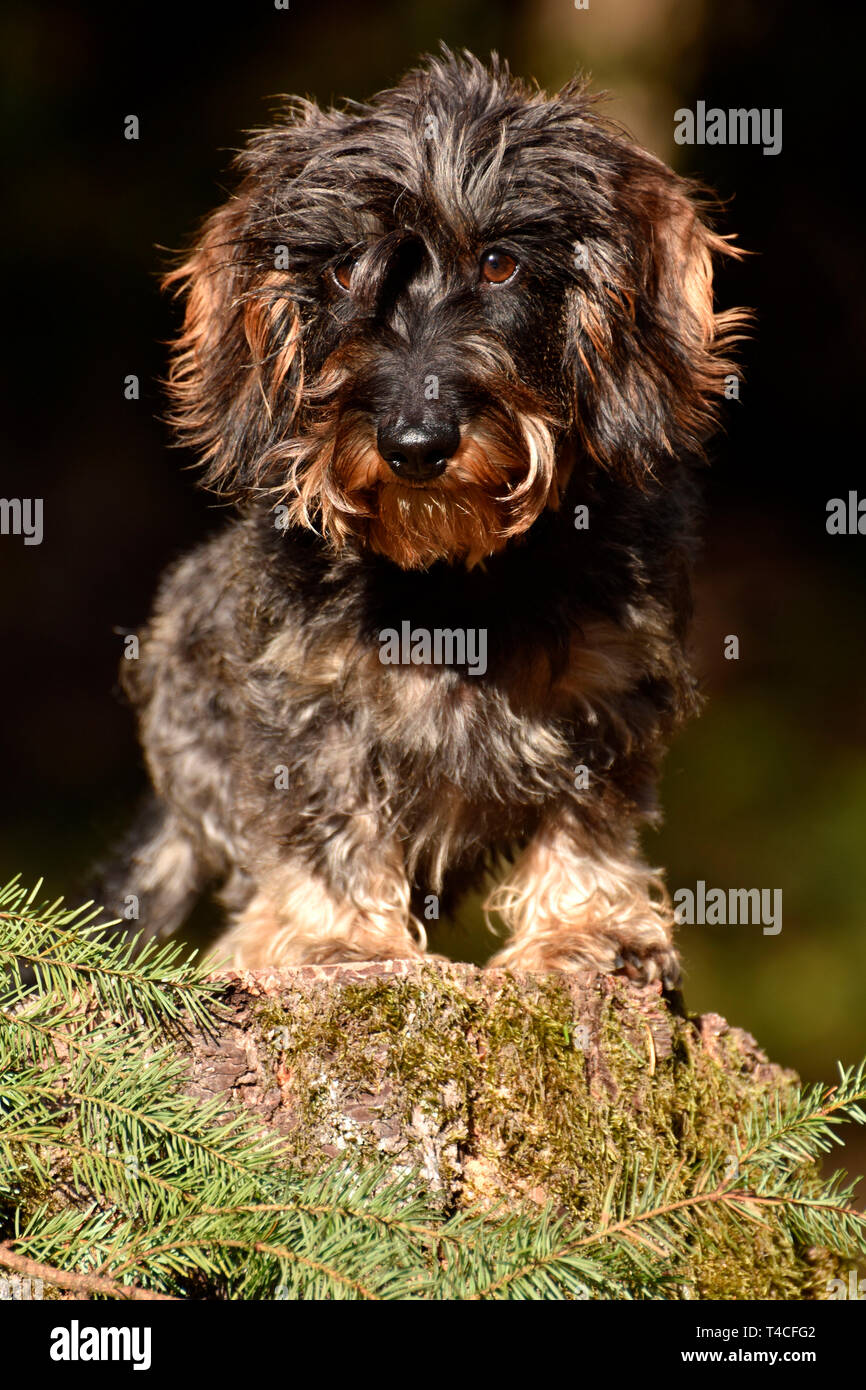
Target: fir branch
[(68, 950), (177, 1196), (78, 1283)]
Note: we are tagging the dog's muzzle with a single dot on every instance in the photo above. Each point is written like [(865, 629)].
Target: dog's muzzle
[(418, 451)]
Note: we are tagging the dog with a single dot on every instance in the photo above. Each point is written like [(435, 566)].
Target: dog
[(454, 357)]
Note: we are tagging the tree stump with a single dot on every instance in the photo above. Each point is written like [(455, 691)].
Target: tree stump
[(492, 1083), (499, 1088)]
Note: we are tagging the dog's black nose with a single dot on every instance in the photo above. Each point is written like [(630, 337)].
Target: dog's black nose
[(415, 451)]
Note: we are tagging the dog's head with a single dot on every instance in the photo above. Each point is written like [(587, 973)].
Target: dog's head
[(416, 316)]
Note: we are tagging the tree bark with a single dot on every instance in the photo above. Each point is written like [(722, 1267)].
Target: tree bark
[(497, 1087)]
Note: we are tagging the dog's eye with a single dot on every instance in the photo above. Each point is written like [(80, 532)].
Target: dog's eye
[(497, 267), (342, 273)]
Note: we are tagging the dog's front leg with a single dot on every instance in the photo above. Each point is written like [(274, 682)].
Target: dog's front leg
[(575, 902), (327, 910)]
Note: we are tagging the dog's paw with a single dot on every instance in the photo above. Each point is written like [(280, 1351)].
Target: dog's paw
[(647, 966), (642, 963)]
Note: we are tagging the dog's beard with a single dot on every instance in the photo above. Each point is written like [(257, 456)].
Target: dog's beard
[(495, 486)]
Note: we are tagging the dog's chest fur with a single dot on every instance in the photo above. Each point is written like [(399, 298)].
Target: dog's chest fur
[(275, 664), (489, 746)]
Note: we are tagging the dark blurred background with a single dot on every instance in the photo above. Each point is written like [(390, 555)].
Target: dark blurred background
[(768, 788)]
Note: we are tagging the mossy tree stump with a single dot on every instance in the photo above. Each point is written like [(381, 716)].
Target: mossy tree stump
[(500, 1088)]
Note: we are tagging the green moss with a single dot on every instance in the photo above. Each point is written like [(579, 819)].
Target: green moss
[(493, 1093), (379, 1068)]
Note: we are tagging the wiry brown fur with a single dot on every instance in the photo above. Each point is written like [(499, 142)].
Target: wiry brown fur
[(337, 303)]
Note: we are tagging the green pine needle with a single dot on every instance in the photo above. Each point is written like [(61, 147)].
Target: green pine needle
[(107, 1168)]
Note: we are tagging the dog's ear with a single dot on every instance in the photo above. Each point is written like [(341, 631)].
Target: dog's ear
[(235, 374), (646, 351)]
